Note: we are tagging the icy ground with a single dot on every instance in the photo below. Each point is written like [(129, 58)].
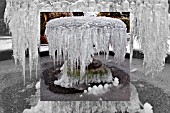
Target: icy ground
[(5, 43)]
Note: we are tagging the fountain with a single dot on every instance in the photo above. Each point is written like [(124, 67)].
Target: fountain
[(77, 41), (22, 17)]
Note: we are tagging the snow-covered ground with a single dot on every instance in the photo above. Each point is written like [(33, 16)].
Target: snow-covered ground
[(5, 43), (44, 47)]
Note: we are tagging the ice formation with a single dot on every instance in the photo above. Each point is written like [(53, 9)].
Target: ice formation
[(22, 18), (148, 108), (116, 81), (150, 27), (77, 39), (37, 86), (70, 81), (98, 90), (151, 31)]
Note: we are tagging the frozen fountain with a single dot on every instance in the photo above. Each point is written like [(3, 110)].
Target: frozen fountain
[(22, 17), (78, 39), (73, 44), (155, 11)]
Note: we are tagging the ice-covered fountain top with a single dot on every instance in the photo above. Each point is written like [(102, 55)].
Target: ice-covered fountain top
[(77, 39)]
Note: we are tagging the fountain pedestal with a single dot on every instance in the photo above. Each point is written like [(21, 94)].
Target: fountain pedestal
[(131, 106)]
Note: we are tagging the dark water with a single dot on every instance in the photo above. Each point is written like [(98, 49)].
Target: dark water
[(14, 98)]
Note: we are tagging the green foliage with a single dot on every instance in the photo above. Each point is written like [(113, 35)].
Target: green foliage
[(76, 73)]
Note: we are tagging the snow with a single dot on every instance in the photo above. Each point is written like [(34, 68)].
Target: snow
[(5, 44), (37, 86), (44, 48), (116, 81), (106, 86), (98, 90), (148, 108)]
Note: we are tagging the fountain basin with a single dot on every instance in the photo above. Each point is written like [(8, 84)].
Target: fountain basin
[(52, 92)]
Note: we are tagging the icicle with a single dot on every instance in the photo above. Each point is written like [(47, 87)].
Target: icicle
[(153, 39), (118, 8), (77, 107), (23, 26), (149, 26), (125, 6)]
